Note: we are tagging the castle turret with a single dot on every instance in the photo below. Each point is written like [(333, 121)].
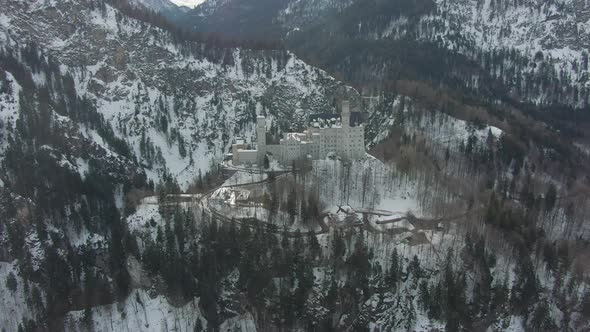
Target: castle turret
[(261, 137), (345, 115)]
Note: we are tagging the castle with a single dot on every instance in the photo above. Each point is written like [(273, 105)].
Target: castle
[(325, 135)]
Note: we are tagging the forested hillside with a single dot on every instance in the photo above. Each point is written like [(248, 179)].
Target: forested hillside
[(524, 51)]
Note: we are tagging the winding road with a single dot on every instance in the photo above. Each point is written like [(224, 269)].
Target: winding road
[(255, 222)]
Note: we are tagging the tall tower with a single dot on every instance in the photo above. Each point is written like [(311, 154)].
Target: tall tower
[(345, 115), (261, 138), (344, 148)]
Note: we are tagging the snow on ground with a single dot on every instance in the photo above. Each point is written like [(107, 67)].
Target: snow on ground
[(230, 196), (516, 324), (141, 221), (82, 167), (84, 237), (242, 323), (361, 187), (244, 177), (399, 204), (255, 210), (205, 105), (445, 129), (9, 105), (438, 127), (367, 185), (4, 20), (140, 312), (13, 306)]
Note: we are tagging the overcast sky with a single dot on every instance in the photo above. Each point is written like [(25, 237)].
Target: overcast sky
[(188, 3)]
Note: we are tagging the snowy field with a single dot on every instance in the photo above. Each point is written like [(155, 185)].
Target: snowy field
[(349, 193)]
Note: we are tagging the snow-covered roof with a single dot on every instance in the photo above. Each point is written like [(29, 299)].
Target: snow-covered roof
[(298, 137), (331, 120)]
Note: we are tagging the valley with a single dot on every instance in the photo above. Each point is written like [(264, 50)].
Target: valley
[(305, 165)]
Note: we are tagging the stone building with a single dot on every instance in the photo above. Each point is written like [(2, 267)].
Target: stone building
[(342, 135)]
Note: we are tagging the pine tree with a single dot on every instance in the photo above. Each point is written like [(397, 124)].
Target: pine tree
[(410, 314), (292, 204), (37, 301), (394, 270), (11, 283), (181, 147), (332, 295), (541, 320), (550, 197), (198, 325), (424, 295), (415, 269), (313, 245), (266, 162), (338, 246), (525, 286)]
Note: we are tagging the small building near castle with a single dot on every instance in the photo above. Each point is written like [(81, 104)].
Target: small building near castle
[(342, 135)]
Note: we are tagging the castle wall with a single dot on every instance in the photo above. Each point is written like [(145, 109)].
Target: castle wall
[(261, 138), (347, 142), (276, 150), (245, 157)]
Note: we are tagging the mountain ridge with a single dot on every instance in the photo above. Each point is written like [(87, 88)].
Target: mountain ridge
[(513, 42)]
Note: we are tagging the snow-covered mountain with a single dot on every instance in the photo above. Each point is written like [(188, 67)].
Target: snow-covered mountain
[(98, 105), (183, 102), (156, 5), (528, 46), (167, 8)]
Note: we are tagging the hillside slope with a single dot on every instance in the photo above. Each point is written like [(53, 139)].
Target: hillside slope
[(178, 105), (535, 50)]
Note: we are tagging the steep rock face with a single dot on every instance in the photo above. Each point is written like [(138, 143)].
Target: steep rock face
[(93, 105), (560, 28), (167, 8), (178, 104), (299, 13), (553, 34), (156, 5), (515, 42), (249, 19)]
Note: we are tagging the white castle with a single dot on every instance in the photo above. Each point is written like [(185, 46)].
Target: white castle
[(323, 137)]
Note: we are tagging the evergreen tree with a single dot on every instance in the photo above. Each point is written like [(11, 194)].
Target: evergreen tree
[(181, 147), (410, 314), (338, 246), (524, 290), (414, 269), (198, 325), (292, 204), (313, 245), (550, 197), (394, 270), (266, 162), (541, 320), (424, 295), (11, 283)]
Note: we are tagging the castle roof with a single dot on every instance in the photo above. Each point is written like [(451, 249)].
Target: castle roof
[(334, 120)]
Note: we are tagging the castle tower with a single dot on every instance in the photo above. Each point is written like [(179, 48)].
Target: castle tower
[(344, 141), (345, 115), (261, 138)]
